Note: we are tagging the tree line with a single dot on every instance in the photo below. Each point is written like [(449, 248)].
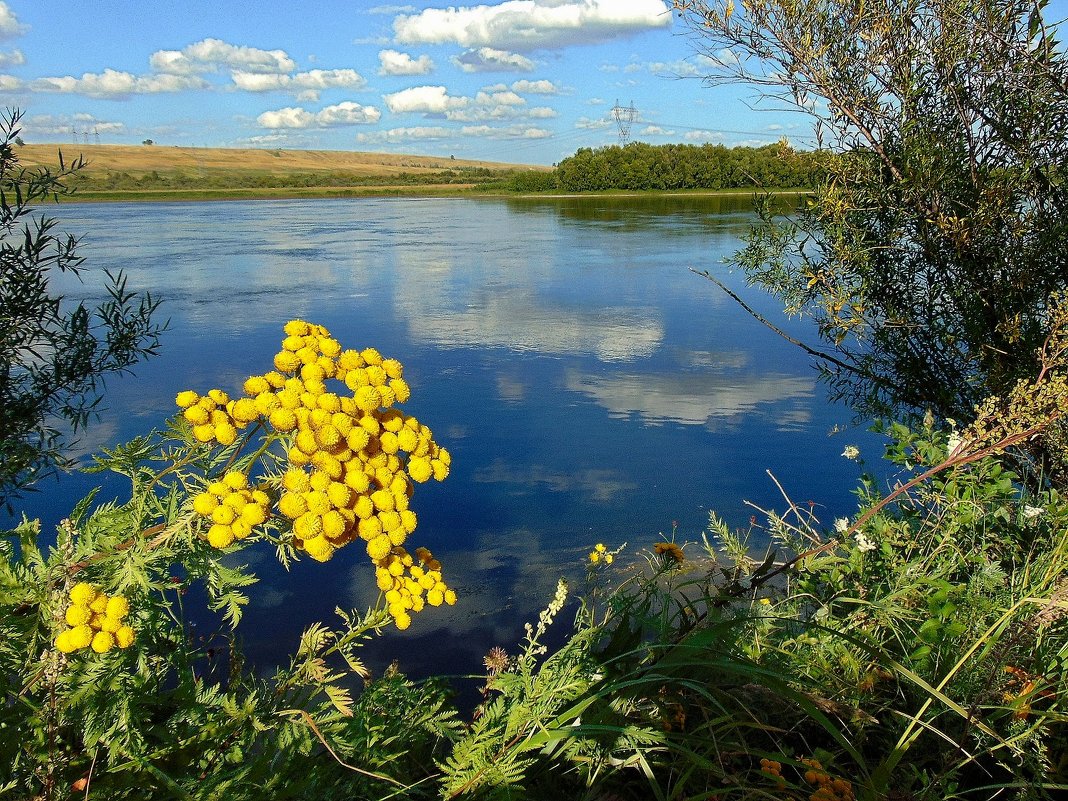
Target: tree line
[(641, 166)]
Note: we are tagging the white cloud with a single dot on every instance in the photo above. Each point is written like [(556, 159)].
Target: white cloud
[(209, 55), (542, 87), (499, 98), (114, 84), (61, 125), (346, 113), (541, 112), (404, 134), (524, 25), (595, 101), (286, 118), (654, 130), (391, 10), (703, 136), (585, 123), (12, 59), (9, 83), (490, 59), (395, 62), (423, 99), (308, 84), (511, 132), (10, 27), (674, 69)]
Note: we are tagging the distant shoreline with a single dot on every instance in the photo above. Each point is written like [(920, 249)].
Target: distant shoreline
[(418, 191)]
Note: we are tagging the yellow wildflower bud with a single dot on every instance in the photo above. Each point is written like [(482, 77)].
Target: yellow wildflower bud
[(312, 372), (408, 520), (223, 514), (369, 528), (450, 597), (103, 641), (286, 361), (110, 624), (225, 434), (296, 328), (333, 525), (186, 398), (254, 385), (379, 547), (220, 536), (197, 415), (275, 379), (305, 441), (393, 368), (435, 597), (63, 642), (235, 480), (308, 525), (319, 548), (296, 480), (401, 391), (81, 636), (402, 621), (441, 470), (205, 503), (266, 402), (383, 500), (99, 604), (327, 436), (253, 514), (83, 593), (124, 637), (371, 356), (292, 505), (420, 469), (240, 528), (339, 494), (77, 615), (367, 398), (118, 607)]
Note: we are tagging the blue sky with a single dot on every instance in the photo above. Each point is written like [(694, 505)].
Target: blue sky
[(525, 81)]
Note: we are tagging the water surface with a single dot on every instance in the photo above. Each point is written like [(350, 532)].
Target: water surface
[(590, 387)]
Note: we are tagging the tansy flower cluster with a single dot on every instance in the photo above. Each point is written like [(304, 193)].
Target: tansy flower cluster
[(233, 509), (95, 621), (352, 460), (773, 770)]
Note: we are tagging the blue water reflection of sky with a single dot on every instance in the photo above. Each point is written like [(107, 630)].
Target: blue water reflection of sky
[(591, 388)]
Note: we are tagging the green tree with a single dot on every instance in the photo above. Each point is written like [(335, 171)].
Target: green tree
[(54, 355), (928, 254)]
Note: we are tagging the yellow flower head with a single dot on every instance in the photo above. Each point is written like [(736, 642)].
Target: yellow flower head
[(83, 593), (186, 398)]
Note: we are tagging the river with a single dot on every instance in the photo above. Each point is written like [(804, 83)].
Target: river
[(589, 385)]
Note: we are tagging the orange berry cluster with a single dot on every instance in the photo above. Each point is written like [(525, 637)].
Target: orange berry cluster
[(233, 509), (773, 770), (352, 458), (827, 789), (95, 620)]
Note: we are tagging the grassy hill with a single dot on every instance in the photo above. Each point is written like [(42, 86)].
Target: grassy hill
[(161, 172)]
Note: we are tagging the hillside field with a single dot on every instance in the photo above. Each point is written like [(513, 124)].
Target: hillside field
[(143, 159)]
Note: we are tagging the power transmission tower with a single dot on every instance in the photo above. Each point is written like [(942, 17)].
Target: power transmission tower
[(624, 116)]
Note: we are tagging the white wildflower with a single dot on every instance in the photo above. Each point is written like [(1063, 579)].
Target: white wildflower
[(851, 452), (841, 525), (1031, 512), (863, 543)]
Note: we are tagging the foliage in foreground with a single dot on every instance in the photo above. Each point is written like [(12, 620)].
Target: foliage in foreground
[(53, 357), (916, 651), (927, 254)]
